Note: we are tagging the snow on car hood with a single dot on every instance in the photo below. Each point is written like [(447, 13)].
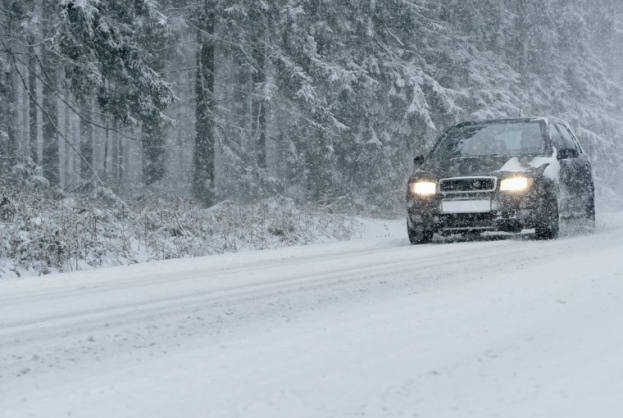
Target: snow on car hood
[(532, 164)]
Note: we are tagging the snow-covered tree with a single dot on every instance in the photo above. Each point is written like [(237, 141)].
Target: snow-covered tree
[(109, 50)]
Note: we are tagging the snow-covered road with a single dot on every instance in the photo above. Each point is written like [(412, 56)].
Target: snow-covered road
[(378, 328)]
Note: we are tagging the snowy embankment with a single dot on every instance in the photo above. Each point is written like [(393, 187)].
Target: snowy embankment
[(372, 327), (40, 234)]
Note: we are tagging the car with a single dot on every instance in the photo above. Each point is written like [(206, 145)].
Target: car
[(506, 175)]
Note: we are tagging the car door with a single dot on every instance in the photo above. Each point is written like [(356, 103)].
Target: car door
[(583, 172), (567, 175)]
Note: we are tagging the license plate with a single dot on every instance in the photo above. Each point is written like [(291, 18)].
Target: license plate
[(466, 206)]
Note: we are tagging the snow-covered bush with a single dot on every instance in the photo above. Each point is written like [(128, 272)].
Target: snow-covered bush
[(42, 232)]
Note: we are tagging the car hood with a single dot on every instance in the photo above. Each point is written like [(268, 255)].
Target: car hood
[(494, 165)]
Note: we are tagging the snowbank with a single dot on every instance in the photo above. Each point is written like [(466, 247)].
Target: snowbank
[(40, 234)]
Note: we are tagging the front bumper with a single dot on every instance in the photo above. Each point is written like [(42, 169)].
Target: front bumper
[(509, 213)]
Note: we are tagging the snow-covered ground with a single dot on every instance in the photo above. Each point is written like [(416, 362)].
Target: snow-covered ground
[(373, 327)]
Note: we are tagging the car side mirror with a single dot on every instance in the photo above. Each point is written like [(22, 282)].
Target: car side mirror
[(565, 154), (419, 160)]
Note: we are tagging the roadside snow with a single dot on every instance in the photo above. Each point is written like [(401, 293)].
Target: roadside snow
[(44, 236)]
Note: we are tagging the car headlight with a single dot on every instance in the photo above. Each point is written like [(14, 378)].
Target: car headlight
[(515, 184), (424, 188)]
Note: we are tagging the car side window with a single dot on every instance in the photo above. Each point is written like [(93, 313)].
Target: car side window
[(566, 136), (557, 140)]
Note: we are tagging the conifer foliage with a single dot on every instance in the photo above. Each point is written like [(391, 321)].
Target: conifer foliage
[(322, 101), (108, 47)]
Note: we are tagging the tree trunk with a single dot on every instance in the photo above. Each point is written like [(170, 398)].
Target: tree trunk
[(69, 179), (33, 109), (106, 168), (86, 139), (153, 127), (500, 41), (50, 158), (8, 156), (523, 29), (121, 163), (203, 162), (114, 162), (8, 140), (319, 169), (259, 104), (153, 151)]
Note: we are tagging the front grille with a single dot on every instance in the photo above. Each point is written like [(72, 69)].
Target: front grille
[(466, 220), (468, 184)]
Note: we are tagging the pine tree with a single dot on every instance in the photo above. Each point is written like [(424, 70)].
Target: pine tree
[(49, 75), (205, 142), (102, 40), (31, 28), (8, 96), (260, 15)]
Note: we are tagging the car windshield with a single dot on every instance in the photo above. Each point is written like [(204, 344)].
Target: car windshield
[(520, 138)]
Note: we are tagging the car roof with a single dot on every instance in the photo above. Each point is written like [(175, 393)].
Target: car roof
[(546, 120)]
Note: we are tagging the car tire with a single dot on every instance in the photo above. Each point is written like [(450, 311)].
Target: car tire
[(420, 236), (548, 224)]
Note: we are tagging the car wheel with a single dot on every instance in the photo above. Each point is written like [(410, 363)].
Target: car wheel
[(548, 224), (419, 236)]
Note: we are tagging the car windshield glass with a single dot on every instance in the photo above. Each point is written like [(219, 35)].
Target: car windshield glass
[(522, 138)]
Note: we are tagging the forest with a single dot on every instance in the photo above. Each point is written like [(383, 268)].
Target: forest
[(322, 103)]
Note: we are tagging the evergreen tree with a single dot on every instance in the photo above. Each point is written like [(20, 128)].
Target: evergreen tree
[(49, 75), (323, 101), (205, 142), (11, 16), (31, 31), (102, 41)]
